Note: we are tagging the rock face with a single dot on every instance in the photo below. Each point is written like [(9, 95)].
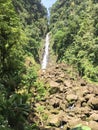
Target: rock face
[(70, 101)]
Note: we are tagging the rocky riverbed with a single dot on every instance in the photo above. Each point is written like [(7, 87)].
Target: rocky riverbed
[(70, 100)]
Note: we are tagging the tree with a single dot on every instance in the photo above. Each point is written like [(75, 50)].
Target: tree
[(78, 44)]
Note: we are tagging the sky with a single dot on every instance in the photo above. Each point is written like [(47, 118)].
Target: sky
[(48, 3)]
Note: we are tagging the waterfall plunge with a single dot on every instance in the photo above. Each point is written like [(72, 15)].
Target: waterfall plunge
[(45, 57)]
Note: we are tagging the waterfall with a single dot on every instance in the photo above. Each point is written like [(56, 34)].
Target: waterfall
[(46, 51)]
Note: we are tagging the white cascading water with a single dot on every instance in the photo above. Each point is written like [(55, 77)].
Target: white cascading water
[(45, 57)]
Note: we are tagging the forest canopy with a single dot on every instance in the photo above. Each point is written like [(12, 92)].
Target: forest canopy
[(74, 25), (23, 24)]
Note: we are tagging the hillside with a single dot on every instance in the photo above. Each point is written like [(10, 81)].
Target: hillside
[(23, 25), (74, 25), (65, 94)]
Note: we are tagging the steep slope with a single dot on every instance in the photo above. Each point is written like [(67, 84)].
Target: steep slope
[(74, 25), (23, 24), (33, 17)]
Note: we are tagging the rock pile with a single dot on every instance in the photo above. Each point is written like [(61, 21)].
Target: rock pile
[(70, 100)]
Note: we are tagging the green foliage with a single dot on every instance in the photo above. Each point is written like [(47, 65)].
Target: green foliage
[(11, 53), (5, 128), (75, 35), (23, 23), (33, 16), (29, 78), (8, 31), (31, 127), (40, 90), (41, 113), (58, 39), (14, 110), (81, 127)]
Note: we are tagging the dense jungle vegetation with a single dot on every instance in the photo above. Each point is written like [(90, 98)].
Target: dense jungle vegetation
[(74, 25), (23, 24)]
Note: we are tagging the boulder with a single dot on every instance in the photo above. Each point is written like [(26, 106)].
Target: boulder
[(54, 87), (63, 106), (93, 102), (54, 90), (93, 89), (81, 110), (55, 102), (71, 97), (59, 80), (53, 84), (82, 82), (67, 83), (96, 90), (59, 119), (88, 96), (62, 75), (73, 122), (93, 125), (85, 92), (62, 88), (54, 120), (94, 117)]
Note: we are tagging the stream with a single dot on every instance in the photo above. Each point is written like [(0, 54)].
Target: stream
[(46, 52)]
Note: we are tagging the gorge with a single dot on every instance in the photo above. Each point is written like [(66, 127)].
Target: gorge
[(62, 91)]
